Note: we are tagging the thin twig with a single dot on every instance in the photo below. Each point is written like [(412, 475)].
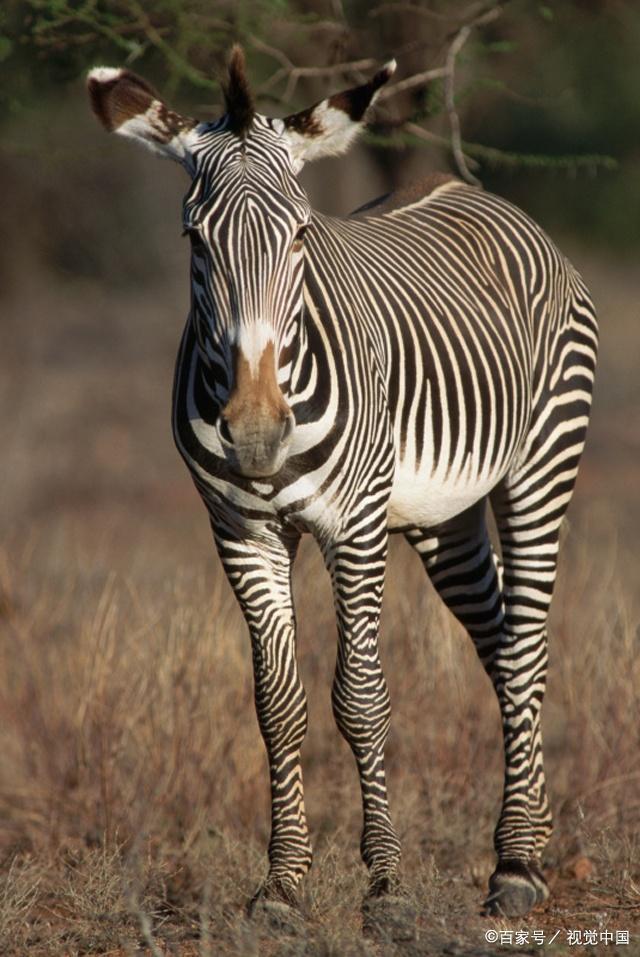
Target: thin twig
[(292, 73), (459, 40), (613, 905), (395, 8), (180, 65), (274, 52), (478, 15), (417, 79), (430, 137)]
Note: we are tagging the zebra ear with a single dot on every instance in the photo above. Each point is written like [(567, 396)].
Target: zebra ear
[(329, 128), (126, 104)]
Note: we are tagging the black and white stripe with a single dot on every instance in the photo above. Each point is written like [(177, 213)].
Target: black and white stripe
[(435, 356), (444, 356)]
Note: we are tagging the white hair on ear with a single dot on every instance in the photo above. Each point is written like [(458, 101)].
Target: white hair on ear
[(338, 132), (105, 74), (330, 127), (128, 105)]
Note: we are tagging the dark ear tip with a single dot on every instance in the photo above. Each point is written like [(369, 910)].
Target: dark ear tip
[(100, 80), (107, 77), (117, 94), (356, 102), (384, 74), (103, 77)]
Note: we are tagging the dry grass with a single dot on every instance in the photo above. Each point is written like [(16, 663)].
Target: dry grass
[(134, 804)]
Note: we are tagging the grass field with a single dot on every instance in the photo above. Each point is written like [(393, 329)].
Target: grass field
[(134, 798), (133, 784)]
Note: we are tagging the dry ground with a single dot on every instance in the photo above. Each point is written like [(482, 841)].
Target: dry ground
[(133, 785), (134, 797)]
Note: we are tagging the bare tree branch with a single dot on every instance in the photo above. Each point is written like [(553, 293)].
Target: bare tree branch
[(418, 79), (179, 64), (417, 8), (292, 73), (477, 15), (419, 131), (483, 16), (79, 23)]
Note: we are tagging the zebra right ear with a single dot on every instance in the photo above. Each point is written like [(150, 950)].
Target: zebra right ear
[(126, 104), (330, 127)]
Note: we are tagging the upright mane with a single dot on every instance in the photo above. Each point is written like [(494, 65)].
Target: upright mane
[(237, 94)]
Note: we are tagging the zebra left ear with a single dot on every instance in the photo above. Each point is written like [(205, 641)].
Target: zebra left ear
[(126, 104), (329, 127)]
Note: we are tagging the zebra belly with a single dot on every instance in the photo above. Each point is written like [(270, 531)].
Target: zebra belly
[(427, 499)]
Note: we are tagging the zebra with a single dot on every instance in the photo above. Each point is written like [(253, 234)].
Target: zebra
[(400, 370)]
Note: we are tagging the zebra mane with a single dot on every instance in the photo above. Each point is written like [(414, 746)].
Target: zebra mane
[(237, 94)]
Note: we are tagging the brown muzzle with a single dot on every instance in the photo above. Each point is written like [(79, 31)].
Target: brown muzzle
[(256, 425)]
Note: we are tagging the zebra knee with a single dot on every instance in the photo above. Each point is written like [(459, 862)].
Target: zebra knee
[(281, 706), (362, 709), (519, 665)]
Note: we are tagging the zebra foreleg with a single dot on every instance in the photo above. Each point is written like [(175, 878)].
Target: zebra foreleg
[(360, 696), (260, 574)]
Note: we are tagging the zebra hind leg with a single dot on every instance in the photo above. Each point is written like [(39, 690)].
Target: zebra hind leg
[(529, 507), (467, 575)]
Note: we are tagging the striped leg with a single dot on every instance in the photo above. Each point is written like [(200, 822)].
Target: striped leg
[(260, 574), (529, 507), (467, 574), (360, 697), (529, 514)]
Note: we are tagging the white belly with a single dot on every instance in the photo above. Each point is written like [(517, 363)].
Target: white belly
[(425, 499)]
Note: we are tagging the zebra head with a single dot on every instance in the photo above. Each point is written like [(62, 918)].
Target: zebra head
[(245, 214)]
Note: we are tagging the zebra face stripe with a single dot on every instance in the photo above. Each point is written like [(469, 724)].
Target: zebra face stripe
[(244, 214)]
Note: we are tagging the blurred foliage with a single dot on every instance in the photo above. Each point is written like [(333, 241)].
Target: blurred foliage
[(550, 87)]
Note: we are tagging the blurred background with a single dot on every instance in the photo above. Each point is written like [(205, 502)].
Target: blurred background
[(126, 683)]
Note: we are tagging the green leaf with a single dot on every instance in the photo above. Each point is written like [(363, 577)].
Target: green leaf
[(545, 12), (501, 46), (498, 158), (6, 46)]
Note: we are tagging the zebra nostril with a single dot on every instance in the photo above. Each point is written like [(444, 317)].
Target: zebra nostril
[(224, 431), (287, 428)]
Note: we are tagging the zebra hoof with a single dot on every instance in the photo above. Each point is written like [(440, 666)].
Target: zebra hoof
[(388, 916), (514, 889), (538, 878), (278, 908)]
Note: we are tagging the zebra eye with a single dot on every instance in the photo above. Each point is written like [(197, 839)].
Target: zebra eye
[(298, 241)]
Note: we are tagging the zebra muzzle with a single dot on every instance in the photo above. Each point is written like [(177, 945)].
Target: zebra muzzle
[(256, 447), (256, 425)]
